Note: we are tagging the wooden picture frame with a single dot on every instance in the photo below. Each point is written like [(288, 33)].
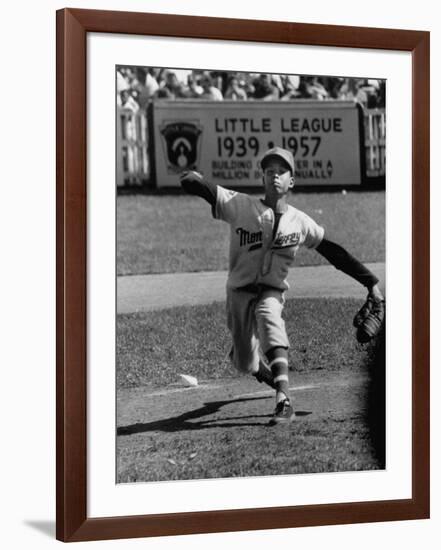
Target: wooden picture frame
[(72, 523)]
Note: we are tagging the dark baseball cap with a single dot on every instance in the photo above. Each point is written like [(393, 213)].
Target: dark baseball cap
[(278, 152)]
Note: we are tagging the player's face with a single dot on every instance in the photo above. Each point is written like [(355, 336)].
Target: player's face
[(277, 177)]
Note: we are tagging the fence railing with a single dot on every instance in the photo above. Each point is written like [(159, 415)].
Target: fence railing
[(134, 165), (375, 142)]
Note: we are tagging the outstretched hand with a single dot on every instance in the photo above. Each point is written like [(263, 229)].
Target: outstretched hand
[(191, 176)]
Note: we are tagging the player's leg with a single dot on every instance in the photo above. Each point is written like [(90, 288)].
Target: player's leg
[(242, 326), (264, 373), (274, 341)]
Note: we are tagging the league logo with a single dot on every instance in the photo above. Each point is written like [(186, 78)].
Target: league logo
[(181, 144)]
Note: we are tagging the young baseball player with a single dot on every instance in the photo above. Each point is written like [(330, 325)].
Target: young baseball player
[(264, 238)]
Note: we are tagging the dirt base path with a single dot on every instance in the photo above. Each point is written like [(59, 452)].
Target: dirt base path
[(148, 292), (220, 429)]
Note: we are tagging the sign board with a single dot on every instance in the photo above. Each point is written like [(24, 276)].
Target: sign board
[(225, 140)]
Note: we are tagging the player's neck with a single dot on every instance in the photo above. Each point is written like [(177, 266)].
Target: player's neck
[(278, 204)]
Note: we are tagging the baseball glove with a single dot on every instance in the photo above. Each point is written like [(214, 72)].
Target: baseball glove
[(369, 319)]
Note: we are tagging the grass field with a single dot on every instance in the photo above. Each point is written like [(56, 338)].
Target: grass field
[(153, 347), (166, 234), (220, 429)]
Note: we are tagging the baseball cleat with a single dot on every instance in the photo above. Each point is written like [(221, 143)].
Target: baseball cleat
[(284, 413)]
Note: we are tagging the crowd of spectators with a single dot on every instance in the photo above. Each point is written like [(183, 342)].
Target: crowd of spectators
[(137, 85)]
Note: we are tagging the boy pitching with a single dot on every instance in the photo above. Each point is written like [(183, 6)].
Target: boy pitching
[(264, 238)]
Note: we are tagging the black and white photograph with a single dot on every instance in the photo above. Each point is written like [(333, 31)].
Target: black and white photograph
[(219, 276), (250, 329)]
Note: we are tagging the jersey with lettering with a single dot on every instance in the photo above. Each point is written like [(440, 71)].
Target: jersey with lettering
[(257, 255)]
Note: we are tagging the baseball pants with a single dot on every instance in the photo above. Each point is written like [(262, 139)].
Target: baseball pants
[(255, 320)]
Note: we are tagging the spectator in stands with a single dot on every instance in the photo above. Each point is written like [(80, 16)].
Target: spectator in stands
[(174, 88), (164, 93), (182, 75), (290, 87), (208, 90), (146, 82), (169, 86), (130, 76), (381, 94), (121, 82), (352, 89), (246, 82), (265, 89), (277, 80), (220, 80), (159, 74), (150, 83), (293, 80), (332, 85), (348, 89), (144, 85), (370, 87), (128, 102), (234, 90), (314, 89), (193, 90)]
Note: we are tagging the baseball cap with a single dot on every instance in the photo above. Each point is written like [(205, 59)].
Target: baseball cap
[(284, 154)]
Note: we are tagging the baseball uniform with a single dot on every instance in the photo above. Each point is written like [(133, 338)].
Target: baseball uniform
[(259, 260)]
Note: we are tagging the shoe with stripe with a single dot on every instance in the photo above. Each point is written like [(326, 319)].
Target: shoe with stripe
[(284, 413)]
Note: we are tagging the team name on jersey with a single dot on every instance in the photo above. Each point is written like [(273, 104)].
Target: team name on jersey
[(248, 237), (292, 239)]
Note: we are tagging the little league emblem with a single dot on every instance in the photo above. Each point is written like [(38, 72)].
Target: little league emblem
[(181, 144)]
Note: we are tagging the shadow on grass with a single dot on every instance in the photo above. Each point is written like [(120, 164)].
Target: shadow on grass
[(186, 421)]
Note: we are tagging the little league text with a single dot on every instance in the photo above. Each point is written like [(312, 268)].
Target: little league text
[(239, 146)]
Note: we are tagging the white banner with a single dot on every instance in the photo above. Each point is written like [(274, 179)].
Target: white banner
[(225, 140)]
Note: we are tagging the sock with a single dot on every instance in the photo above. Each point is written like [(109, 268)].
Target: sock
[(278, 363), (263, 373)]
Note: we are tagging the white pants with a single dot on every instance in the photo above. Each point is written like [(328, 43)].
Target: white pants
[(255, 318)]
